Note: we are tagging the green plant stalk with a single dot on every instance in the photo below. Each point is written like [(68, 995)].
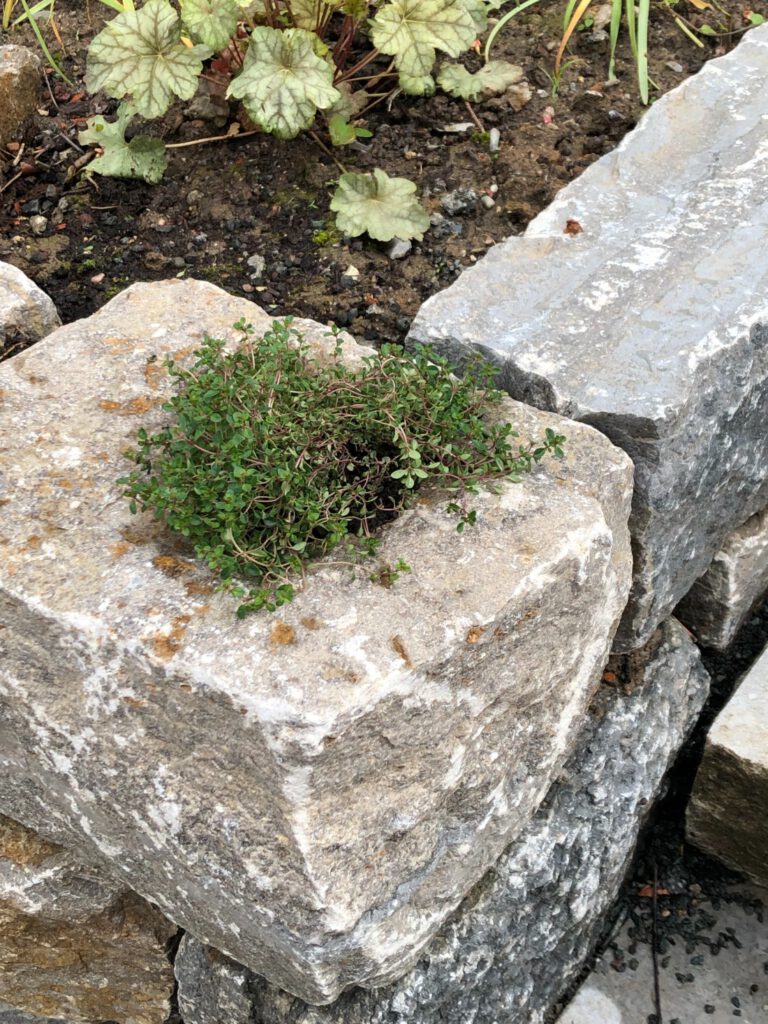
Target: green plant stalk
[(616, 11), (643, 15), (500, 25), (44, 46)]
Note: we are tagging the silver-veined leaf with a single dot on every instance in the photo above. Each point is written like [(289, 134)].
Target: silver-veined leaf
[(143, 157), (495, 77), (212, 22), (139, 55), (385, 207), (283, 82)]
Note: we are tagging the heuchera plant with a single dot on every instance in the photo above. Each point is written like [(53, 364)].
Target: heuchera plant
[(289, 60)]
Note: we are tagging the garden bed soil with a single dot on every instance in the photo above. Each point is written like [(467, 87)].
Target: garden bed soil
[(252, 215)]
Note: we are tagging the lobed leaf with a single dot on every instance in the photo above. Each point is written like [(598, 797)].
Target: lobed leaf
[(385, 207), (494, 77), (139, 54), (283, 82), (412, 30), (212, 22), (143, 157)]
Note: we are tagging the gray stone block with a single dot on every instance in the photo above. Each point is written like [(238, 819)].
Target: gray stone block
[(526, 929), (719, 601), (21, 79), (27, 314), (728, 812), (638, 302), (312, 790)]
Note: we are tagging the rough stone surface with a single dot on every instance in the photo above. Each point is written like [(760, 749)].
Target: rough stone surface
[(21, 78), (719, 601), (525, 930), (74, 944), (638, 302), (728, 812), (382, 745), (27, 314)]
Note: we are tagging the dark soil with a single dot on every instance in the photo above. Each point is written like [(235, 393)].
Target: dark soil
[(223, 203)]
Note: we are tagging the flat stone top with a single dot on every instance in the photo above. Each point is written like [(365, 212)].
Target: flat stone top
[(72, 553), (621, 293), (742, 725)]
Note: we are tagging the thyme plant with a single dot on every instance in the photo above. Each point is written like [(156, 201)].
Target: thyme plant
[(270, 459)]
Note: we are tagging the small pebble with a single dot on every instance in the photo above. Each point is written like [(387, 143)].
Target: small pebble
[(494, 140), (488, 202), (398, 248), (38, 225), (709, 1009), (735, 1001)]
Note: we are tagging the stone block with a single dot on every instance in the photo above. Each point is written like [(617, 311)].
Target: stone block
[(74, 944), (524, 933), (718, 603), (728, 812), (21, 78), (27, 314), (638, 302), (312, 791)]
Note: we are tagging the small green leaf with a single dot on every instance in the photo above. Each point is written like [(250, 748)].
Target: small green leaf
[(307, 13), (412, 30), (283, 82), (385, 207), (706, 30), (143, 157), (755, 19), (342, 132), (139, 54), (495, 77), (212, 22)]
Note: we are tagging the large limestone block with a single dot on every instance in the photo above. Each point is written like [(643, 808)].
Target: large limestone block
[(314, 790), (638, 302), (27, 314), (728, 812), (719, 601), (74, 944), (21, 78), (525, 931)]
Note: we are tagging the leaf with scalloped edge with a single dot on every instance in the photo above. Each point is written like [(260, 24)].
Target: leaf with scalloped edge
[(478, 12), (412, 30), (283, 82), (143, 157), (212, 22), (306, 12), (494, 77), (385, 207), (139, 54)]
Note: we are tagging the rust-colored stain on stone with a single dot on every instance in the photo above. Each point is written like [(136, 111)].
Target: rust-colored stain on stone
[(165, 645), (398, 647), (198, 588), (33, 542), (283, 634), (131, 407), (121, 548), (22, 846), (474, 633), (134, 702), (173, 567), (310, 622), (153, 371)]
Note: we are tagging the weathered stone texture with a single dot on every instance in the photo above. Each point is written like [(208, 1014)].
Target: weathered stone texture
[(637, 302), (313, 791), (720, 600), (524, 931), (74, 944), (21, 78), (728, 812), (27, 314)]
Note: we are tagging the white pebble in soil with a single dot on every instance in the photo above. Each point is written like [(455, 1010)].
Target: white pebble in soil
[(727, 988)]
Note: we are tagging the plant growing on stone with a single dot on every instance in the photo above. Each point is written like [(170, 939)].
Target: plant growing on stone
[(271, 459), (288, 61)]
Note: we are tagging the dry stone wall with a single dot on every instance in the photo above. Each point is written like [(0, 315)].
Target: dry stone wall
[(383, 746), (651, 321)]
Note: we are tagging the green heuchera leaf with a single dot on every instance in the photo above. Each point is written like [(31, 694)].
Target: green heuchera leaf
[(212, 22), (342, 133), (142, 157), (496, 76), (412, 30), (283, 82), (385, 207), (478, 12), (139, 54), (306, 12)]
